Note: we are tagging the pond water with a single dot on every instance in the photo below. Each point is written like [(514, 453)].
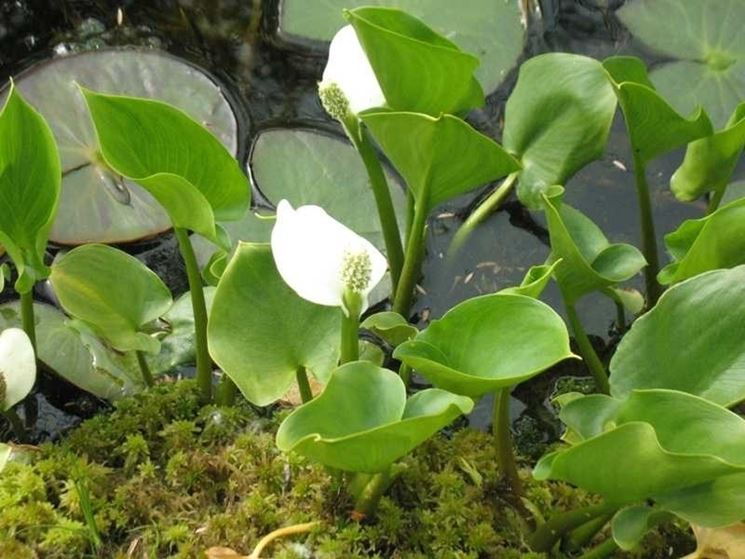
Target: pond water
[(273, 83)]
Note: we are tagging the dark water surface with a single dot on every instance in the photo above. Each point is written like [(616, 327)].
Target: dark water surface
[(273, 83)]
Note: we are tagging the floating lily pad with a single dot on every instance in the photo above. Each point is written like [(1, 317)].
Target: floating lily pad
[(307, 166), (491, 30), (94, 204), (707, 42)]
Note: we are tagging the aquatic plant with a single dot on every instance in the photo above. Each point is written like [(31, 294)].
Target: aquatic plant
[(17, 374)]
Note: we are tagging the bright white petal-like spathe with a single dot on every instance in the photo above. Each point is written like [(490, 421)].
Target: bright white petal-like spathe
[(349, 68), (313, 252), (17, 365)]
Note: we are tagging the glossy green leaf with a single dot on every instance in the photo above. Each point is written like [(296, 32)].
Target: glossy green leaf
[(690, 341), (440, 158), (390, 326), (487, 343), (321, 163), (29, 187), (72, 351), (535, 281), (557, 120), (491, 30), (589, 261), (417, 69), (261, 333), (362, 421), (714, 503), (710, 161), (174, 158), (654, 127), (629, 298), (95, 204), (704, 39), (632, 523), (712, 242), (113, 292), (659, 443)]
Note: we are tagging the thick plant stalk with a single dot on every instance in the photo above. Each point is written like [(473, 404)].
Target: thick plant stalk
[(368, 489), (147, 375), (580, 537), (226, 391), (412, 262), (350, 328), (547, 534), (503, 437), (306, 394), (386, 212), (199, 306), (649, 240), (715, 198), (588, 352), (606, 549), (27, 316), (483, 211)]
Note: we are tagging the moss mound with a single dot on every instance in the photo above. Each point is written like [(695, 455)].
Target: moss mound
[(162, 476)]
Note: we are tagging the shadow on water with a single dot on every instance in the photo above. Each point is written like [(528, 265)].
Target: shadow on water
[(271, 82)]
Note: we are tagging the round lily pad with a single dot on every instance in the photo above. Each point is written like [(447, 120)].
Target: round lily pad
[(95, 205), (489, 29), (707, 45)]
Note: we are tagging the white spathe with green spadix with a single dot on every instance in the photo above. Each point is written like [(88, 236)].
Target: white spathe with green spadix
[(17, 367), (321, 259)]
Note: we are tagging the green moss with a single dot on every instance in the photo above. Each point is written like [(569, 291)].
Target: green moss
[(167, 478)]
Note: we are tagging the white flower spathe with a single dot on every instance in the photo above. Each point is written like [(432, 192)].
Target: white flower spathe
[(349, 69), (17, 366), (320, 259)]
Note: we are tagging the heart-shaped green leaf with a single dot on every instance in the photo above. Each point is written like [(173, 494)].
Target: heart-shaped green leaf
[(487, 343), (113, 292), (262, 333), (73, 352), (440, 158), (362, 421), (704, 39), (588, 261), (557, 120), (632, 523), (390, 326), (491, 30), (654, 127), (174, 158), (534, 282), (712, 242), (710, 161), (417, 69), (692, 340), (658, 443), (29, 187), (97, 205)]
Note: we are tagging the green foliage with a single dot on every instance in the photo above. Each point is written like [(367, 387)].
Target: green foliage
[(710, 161), (390, 326), (446, 158), (589, 262), (534, 282), (262, 333), (379, 425), (417, 69), (683, 452), (487, 343), (557, 120), (654, 127), (690, 341), (29, 188), (112, 291), (176, 159)]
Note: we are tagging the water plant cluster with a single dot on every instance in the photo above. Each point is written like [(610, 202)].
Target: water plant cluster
[(656, 443)]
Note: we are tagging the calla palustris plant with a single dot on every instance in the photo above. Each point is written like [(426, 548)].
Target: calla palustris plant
[(684, 454), (557, 120), (693, 340), (440, 158), (17, 374), (489, 344), (589, 262), (709, 243), (114, 293), (709, 162), (654, 128), (186, 169), (534, 282), (363, 422), (30, 178), (263, 335)]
